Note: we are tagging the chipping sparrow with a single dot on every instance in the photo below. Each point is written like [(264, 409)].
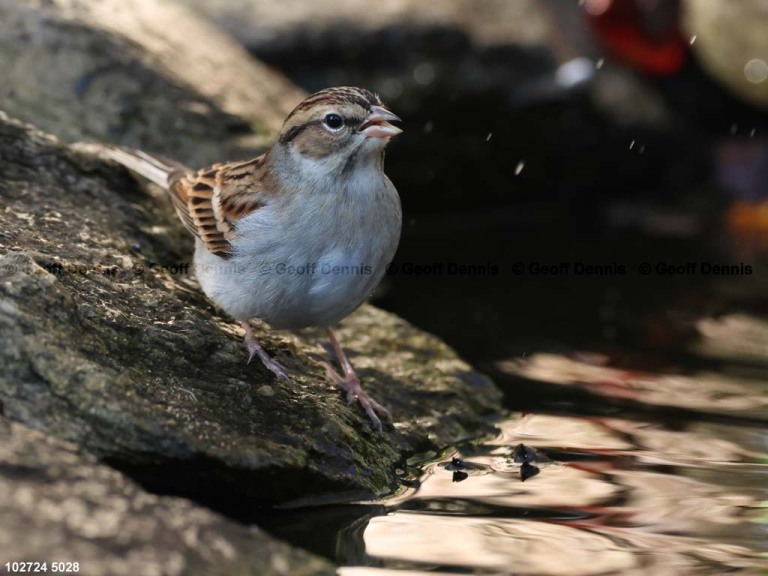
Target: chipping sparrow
[(301, 235)]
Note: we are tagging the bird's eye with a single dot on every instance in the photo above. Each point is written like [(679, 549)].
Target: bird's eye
[(334, 121)]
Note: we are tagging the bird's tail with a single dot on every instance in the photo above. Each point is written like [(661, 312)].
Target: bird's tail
[(157, 169)]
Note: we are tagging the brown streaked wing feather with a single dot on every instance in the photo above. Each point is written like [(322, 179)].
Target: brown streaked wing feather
[(212, 201), (243, 188)]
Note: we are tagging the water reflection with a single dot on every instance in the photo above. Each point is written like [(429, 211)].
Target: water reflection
[(614, 495), (710, 392)]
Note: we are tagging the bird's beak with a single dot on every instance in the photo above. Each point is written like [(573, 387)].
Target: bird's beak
[(377, 124)]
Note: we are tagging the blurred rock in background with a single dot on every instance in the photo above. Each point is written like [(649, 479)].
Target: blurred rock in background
[(142, 73), (405, 48)]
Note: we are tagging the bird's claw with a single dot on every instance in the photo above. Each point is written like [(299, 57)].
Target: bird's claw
[(255, 349), (355, 393)]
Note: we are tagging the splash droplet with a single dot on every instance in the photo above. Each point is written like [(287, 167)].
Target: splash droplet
[(756, 71)]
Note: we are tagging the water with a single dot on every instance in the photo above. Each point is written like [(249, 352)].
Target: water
[(645, 488), (609, 502)]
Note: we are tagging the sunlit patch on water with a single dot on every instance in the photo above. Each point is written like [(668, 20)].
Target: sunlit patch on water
[(711, 392)]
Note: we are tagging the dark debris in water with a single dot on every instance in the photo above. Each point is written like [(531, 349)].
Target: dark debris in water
[(528, 470), (521, 454), (524, 455), (456, 464), (459, 476)]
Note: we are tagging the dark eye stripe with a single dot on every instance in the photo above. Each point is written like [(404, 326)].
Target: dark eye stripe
[(296, 130), (293, 132)]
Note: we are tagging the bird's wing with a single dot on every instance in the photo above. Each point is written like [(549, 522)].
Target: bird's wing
[(211, 201)]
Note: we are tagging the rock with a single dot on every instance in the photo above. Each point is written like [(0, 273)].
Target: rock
[(731, 44), (143, 73), (66, 507), (109, 343)]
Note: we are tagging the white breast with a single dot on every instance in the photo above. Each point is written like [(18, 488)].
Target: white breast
[(309, 261)]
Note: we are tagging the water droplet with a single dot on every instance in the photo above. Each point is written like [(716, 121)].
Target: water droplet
[(693, 39), (756, 71), (600, 63), (487, 138), (734, 129), (632, 145), (428, 126), (519, 167)]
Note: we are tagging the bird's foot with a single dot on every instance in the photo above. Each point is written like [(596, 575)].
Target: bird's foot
[(350, 383), (255, 349)]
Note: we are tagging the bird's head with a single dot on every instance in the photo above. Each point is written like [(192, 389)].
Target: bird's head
[(338, 128)]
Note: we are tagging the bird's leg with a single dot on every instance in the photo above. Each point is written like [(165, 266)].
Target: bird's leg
[(350, 383), (254, 348)]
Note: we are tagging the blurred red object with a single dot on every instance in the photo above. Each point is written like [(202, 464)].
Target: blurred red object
[(644, 34)]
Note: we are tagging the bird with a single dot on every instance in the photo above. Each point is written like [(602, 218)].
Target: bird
[(301, 235)]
